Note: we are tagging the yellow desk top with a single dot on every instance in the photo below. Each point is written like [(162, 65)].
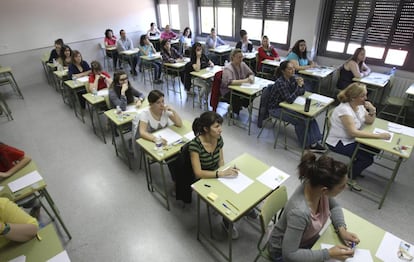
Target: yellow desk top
[(178, 65), (27, 191), (384, 145), (271, 62), (314, 109), (127, 117), (93, 100), (110, 48), (78, 84), (374, 79), (130, 52), (250, 55), (34, 250), (207, 73), (246, 199), (221, 49), (319, 72), (170, 150), (252, 89), (5, 69), (410, 90), (61, 74), (369, 234), (153, 57)]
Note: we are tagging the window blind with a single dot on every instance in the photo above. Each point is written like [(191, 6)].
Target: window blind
[(404, 32), (267, 9)]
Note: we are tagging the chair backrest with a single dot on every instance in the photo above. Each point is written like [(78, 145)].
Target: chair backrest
[(273, 204), (328, 124), (263, 107), (182, 170), (215, 90)]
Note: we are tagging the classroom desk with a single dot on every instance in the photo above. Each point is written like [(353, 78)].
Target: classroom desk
[(205, 75), (385, 147), (95, 105), (48, 71), (410, 92), (122, 127), (221, 52), (369, 234), (37, 189), (129, 55), (6, 71), (241, 203), (147, 60), (271, 65), (314, 110), (250, 60), (75, 87), (174, 70), (34, 250), (169, 152), (155, 40), (58, 78), (318, 74), (375, 81), (250, 92)]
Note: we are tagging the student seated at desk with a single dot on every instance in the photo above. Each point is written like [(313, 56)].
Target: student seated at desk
[(212, 42), (186, 41), (147, 48), (307, 211), (244, 44), (65, 58), (78, 67), (266, 51), (124, 44), (55, 53), (98, 79), (346, 121), (121, 93), (353, 67), (153, 31), (157, 116), (11, 160), (300, 61), (287, 88), (236, 72), (110, 42), (15, 224), (167, 34)]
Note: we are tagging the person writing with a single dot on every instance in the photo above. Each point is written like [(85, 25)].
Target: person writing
[(346, 122), (307, 211), (287, 88), (353, 67), (121, 93), (98, 79)]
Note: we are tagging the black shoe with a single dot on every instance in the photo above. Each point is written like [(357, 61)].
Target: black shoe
[(317, 148)]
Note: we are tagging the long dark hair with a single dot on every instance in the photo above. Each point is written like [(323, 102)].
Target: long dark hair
[(154, 95), (185, 29), (193, 53), (295, 49), (324, 171), (281, 68), (205, 120), (355, 56), (116, 86), (62, 51), (107, 32), (142, 39)]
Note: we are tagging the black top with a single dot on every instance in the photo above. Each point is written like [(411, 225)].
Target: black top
[(345, 78)]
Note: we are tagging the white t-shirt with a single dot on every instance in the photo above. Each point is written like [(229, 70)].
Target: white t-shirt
[(153, 124), (338, 132)]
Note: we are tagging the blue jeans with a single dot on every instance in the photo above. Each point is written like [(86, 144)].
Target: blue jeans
[(314, 134), (362, 160)]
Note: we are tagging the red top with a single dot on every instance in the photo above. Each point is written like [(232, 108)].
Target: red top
[(270, 53), (110, 41), (8, 157), (101, 81)]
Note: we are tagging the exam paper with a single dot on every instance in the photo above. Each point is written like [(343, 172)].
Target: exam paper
[(360, 255), (61, 257), (25, 181), (237, 184), (273, 177), (208, 75), (168, 135), (300, 100), (379, 131), (321, 98), (400, 129), (387, 251), (133, 109), (251, 86), (83, 79), (103, 92), (21, 258), (189, 135)]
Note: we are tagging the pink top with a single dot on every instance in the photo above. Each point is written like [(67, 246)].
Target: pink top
[(318, 220), (168, 36), (110, 41)]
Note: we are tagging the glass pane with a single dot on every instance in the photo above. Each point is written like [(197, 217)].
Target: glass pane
[(253, 28), (277, 31), (335, 46), (207, 19), (374, 51), (352, 47), (165, 19), (175, 17), (396, 57), (225, 21)]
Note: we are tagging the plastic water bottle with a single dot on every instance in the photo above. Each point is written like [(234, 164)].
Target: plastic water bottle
[(150, 53), (59, 67), (94, 92), (54, 62), (158, 145), (119, 113), (226, 63), (392, 71)]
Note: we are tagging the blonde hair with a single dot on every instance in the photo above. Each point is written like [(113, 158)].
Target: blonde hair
[(352, 91), (234, 52)]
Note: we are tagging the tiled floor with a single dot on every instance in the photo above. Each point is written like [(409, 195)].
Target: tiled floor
[(111, 214)]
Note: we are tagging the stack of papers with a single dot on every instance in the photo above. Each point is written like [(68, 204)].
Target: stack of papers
[(400, 129), (168, 135), (25, 181), (238, 183), (273, 177)]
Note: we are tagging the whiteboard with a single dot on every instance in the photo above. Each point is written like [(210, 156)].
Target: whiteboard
[(27, 25)]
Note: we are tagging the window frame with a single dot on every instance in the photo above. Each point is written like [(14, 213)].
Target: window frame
[(157, 8)]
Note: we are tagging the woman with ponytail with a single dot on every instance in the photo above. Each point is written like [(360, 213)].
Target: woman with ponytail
[(307, 211)]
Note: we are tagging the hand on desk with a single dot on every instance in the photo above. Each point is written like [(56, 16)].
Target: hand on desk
[(300, 81), (229, 172), (341, 252), (138, 103), (348, 238), (385, 136)]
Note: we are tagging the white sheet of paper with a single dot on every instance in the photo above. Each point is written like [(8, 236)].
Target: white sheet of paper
[(251, 86), (189, 135), (84, 79), (1, 188), (103, 92), (168, 135), (61, 257), (321, 98), (379, 131), (237, 184), (387, 251), (133, 109), (360, 255), (25, 181), (21, 258), (300, 100), (400, 129), (208, 75), (273, 177)]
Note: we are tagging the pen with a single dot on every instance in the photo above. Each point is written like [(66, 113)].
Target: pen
[(228, 201), (353, 245), (207, 185), (398, 141)]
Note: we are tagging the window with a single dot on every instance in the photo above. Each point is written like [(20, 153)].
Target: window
[(217, 14), (268, 17), (384, 27), (169, 13)]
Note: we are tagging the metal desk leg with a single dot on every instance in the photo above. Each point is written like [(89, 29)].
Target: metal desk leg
[(391, 180), (55, 211), (76, 105), (230, 238), (164, 182), (231, 106), (198, 217), (278, 129), (250, 109), (305, 137), (90, 109), (126, 153)]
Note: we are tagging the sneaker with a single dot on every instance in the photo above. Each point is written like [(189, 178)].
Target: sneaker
[(317, 148), (252, 215), (234, 234)]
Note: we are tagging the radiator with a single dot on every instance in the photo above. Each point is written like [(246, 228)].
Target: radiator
[(400, 85)]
